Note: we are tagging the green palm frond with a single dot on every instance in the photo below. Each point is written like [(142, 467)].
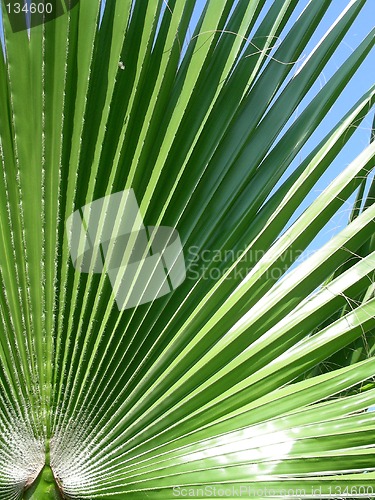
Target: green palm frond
[(241, 379)]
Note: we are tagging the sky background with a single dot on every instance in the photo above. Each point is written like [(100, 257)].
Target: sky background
[(361, 82)]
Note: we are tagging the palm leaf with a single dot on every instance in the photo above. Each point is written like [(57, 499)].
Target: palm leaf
[(238, 380)]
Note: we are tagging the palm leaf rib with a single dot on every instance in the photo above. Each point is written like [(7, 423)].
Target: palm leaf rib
[(254, 376)]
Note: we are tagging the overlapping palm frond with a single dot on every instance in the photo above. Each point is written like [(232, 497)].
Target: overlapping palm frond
[(219, 387)]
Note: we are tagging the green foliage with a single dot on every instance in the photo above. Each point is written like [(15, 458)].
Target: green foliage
[(224, 381)]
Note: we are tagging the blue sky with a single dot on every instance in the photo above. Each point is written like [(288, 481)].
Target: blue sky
[(361, 82)]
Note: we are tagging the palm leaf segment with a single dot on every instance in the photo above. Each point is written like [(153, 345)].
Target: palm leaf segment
[(222, 383)]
